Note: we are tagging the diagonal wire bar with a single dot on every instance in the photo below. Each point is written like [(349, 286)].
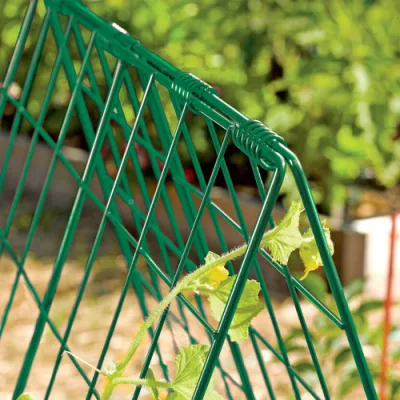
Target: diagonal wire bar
[(316, 302), (99, 235), (185, 253), (69, 232), (201, 244), (39, 304), (133, 158), (35, 138), (246, 236), (26, 89), (125, 181), (240, 281), (124, 231), (18, 51), (234, 347), (132, 266), (14, 130)]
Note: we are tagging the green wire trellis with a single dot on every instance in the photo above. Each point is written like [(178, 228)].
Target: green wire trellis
[(187, 94)]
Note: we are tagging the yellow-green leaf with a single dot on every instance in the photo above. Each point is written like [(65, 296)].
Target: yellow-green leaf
[(309, 252), (285, 237), (26, 396), (248, 308), (189, 364)]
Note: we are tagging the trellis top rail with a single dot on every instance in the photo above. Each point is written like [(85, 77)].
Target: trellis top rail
[(119, 41)]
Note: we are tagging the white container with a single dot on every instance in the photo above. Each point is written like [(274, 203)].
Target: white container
[(377, 249)]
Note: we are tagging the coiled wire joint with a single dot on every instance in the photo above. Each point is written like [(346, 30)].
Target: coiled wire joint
[(256, 140), (186, 85)]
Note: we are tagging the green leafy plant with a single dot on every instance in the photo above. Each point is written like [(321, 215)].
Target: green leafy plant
[(325, 75), (212, 280), (332, 347)]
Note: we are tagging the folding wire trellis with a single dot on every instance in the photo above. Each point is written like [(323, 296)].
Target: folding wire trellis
[(65, 20)]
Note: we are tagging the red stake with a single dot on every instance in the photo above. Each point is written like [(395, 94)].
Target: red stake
[(388, 304)]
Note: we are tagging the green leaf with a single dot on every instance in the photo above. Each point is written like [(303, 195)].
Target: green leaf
[(354, 289), (249, 306), (395, 390), (367, 306), (317, 286), (395, 356), (26, 396), (343, 356), (349, 382), (309, 252), (286, 237), (294, 333), (189, 364), (152, 389), (304, 366)]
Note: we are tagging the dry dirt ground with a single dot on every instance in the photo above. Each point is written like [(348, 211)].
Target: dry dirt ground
[(95, 314)]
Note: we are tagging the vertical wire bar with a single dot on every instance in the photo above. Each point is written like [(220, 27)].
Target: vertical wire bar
[(134, 157), (25, 94), (38, 302), (235, 349), (262, 366), (157, 172), (18, 51), (163, 130), (63, 132), (69, 232), (185, 253), (307, 335), (240, 281), (114, 147), (32, 147), (330, 270), (26, 90), (201, 244), (97, 241), (246, 236), (168, 208), (155, 166), (132, 266), (135, 161), (101, 172)]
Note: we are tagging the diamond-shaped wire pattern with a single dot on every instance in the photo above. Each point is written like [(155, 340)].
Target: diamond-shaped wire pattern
[(112, 76)]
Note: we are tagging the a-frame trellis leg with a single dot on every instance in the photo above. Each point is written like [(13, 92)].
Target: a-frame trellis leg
[(67, 240), (330, 271)]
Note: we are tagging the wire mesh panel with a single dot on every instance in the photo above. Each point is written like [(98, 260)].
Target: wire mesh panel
[(120, 91)]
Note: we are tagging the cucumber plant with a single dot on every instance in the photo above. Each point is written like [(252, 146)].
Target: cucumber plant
[(212, 280)]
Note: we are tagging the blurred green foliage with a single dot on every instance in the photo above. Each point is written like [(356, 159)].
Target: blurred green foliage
[(332, 348), (323, 74)]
